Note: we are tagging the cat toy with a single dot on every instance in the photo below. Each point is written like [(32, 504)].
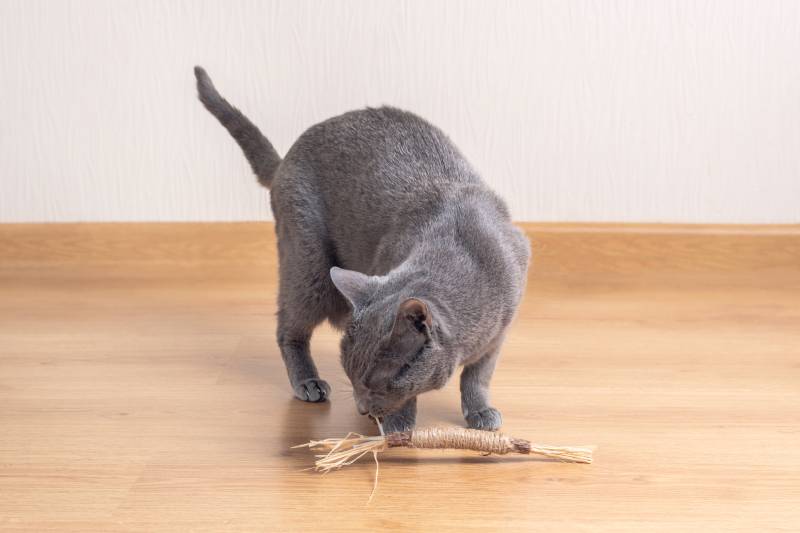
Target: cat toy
[(346, 451)]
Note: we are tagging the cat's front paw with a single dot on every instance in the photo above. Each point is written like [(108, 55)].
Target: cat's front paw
[(397, 422), (488, 419), (312, 390)]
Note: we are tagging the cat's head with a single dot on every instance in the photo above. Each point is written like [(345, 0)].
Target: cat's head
[(391, 350)]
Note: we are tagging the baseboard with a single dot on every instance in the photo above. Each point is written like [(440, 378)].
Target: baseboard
[(558, 248)]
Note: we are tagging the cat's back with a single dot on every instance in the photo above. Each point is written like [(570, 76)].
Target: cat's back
[(379, 151), (370, 176)]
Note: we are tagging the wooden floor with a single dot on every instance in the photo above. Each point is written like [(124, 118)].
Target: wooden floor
[(141, 389)]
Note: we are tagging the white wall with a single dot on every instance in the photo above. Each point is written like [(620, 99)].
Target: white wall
[(580, 111)]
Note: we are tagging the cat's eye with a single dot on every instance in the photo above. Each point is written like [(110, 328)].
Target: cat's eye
[(400, 374)]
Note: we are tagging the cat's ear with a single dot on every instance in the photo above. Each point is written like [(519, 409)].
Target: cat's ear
[(353, 285), (414, 318)]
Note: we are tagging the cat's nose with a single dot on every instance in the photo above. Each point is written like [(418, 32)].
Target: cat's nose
[(362, 409)]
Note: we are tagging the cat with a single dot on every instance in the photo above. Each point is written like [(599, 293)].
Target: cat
[(385, 230)]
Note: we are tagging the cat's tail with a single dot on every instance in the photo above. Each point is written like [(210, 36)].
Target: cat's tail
[(262, 157)]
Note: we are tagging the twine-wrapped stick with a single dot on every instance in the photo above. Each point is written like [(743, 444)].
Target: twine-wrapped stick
[(346, 451)]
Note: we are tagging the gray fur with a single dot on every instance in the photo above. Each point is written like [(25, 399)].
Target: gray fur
[(429, 268)]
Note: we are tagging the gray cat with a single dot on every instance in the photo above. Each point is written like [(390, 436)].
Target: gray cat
[(385, 230)]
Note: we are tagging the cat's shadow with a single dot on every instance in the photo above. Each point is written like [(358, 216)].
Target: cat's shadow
[(304, 421)]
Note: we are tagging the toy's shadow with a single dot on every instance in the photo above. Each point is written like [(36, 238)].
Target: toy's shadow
[(414, 459)]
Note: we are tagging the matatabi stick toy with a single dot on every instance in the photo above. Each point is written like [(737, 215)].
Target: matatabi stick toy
[(346, 451)]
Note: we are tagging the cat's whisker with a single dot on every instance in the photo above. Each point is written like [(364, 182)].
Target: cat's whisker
[(345, 383)]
